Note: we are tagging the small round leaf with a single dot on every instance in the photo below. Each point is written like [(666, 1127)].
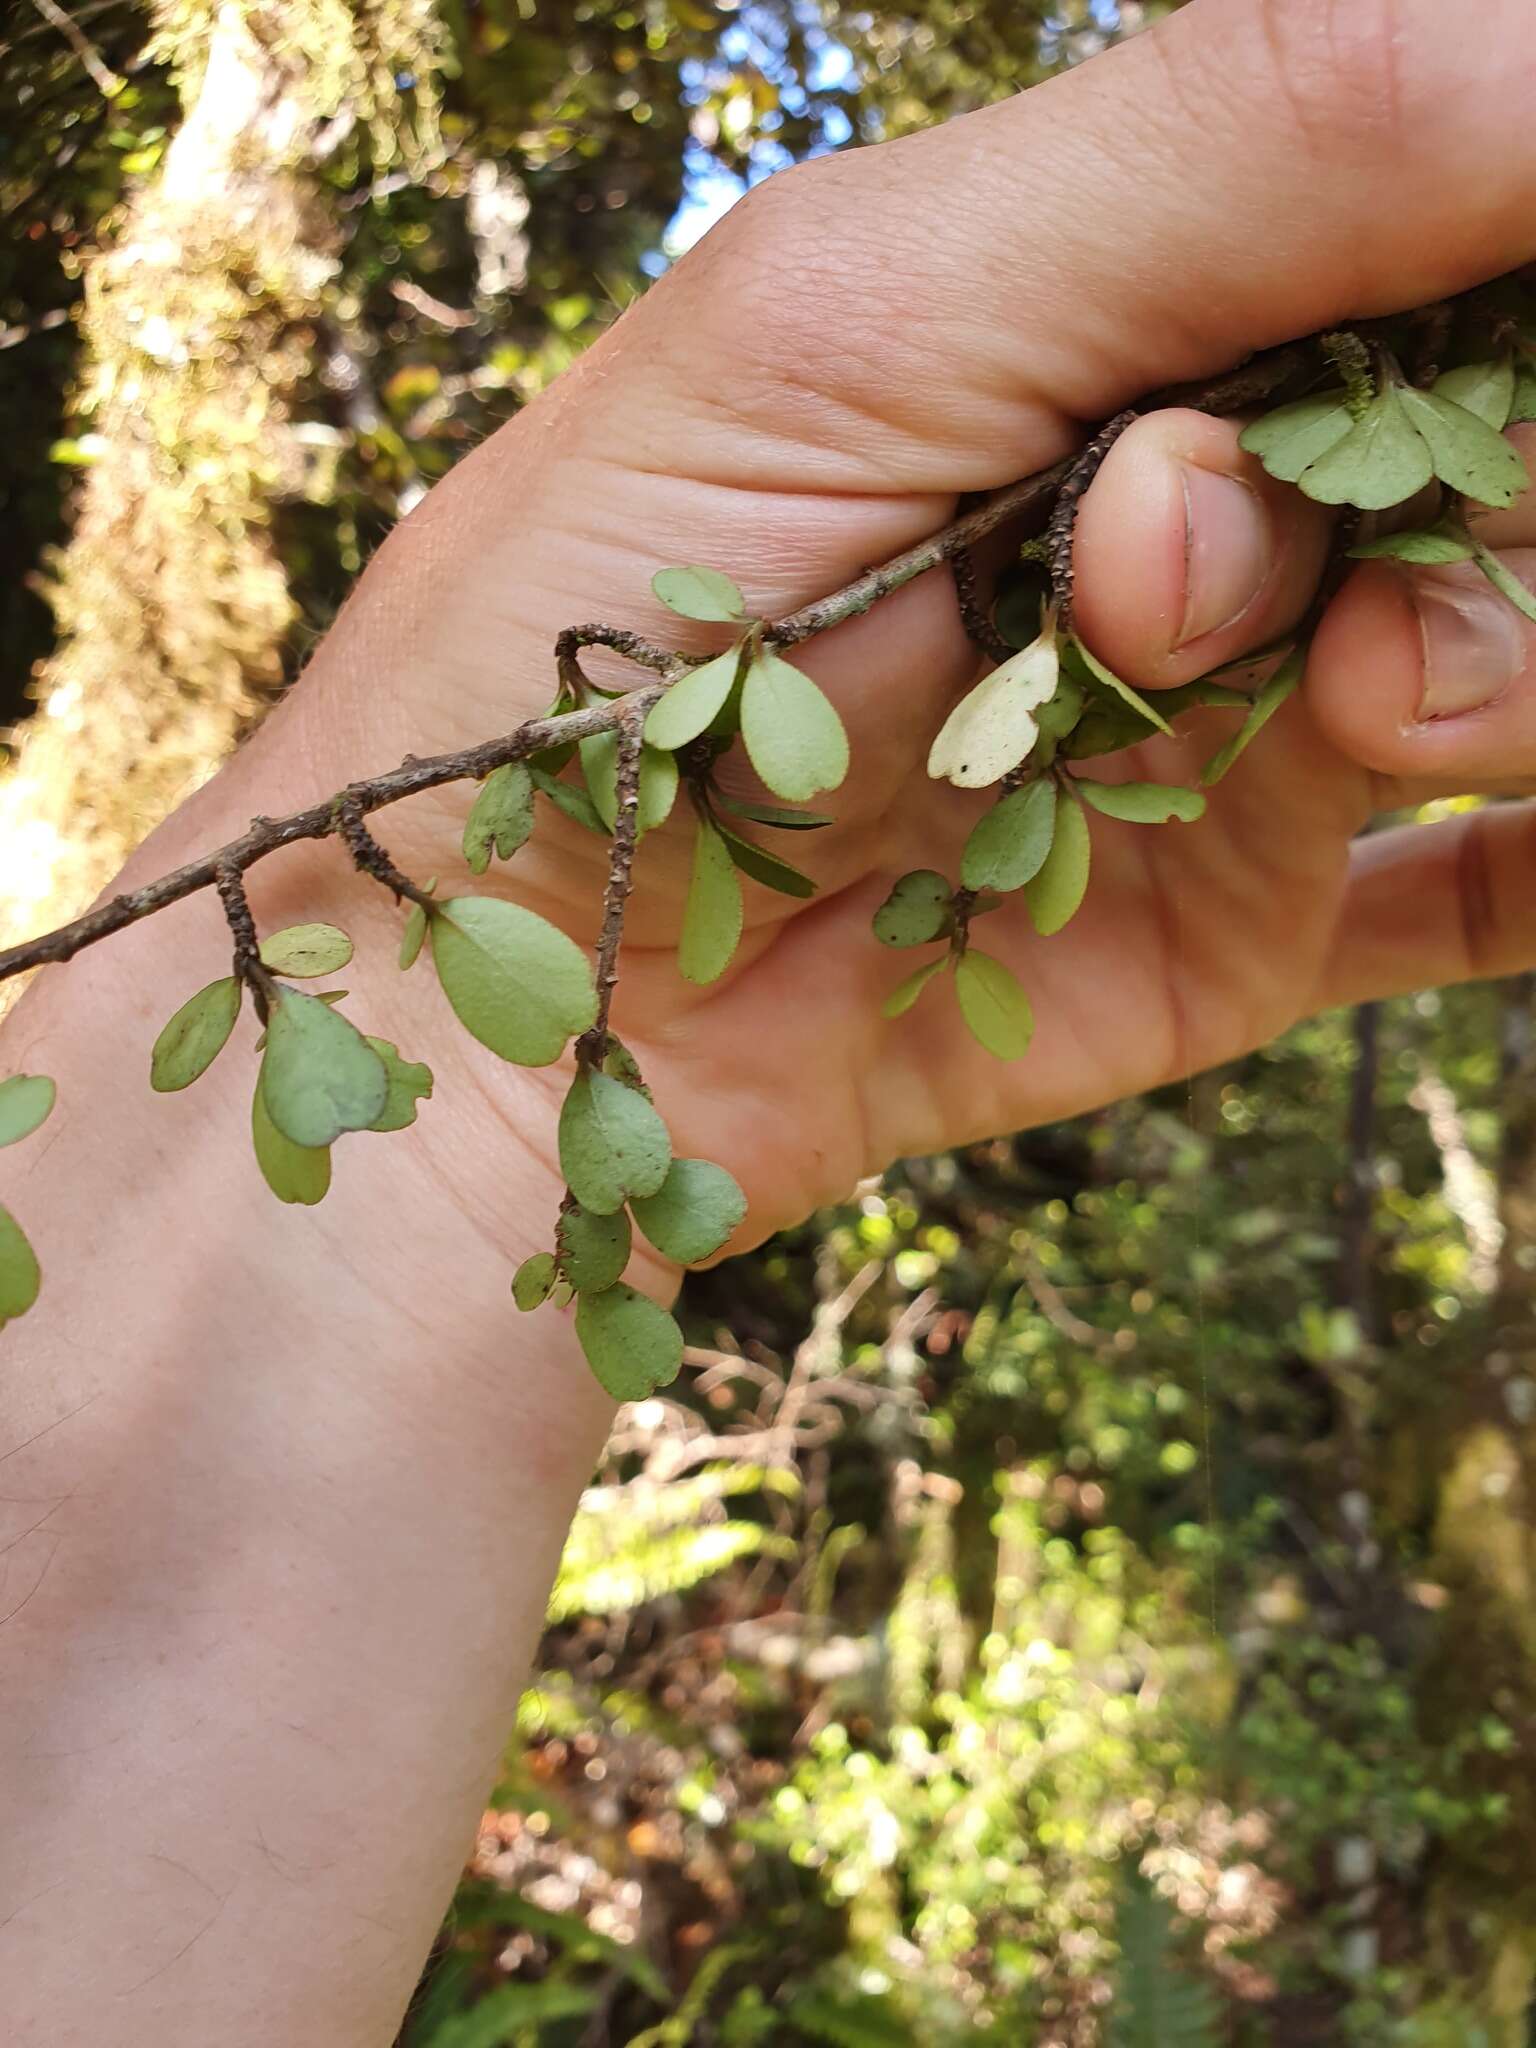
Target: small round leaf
[(693, 1212), (319, 1075), (501, 816), (195, 1036), (692, 703), (613, 1144), (515, 982), (592, 1250), (905, 993), (793, 736), (632, 1346), (658, 781), (1143, 803), (534, 1281), (695, 593), (713, 914), (25, 1101), (916, 912), (20, 1278), (305, 950), (1007, 848), (994, 1006), (409, 1083), (1056, 894)]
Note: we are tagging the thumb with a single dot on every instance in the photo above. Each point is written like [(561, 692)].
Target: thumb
[(923, 314)]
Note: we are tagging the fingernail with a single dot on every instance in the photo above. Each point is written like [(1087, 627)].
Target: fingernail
[(1228, 551), (1474, 645)]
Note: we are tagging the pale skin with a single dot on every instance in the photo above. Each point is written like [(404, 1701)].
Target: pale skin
[(283, 1491)]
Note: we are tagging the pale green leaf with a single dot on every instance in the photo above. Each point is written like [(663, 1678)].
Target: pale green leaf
[(1056, 894), (691, 704), (501, 816), (515, 982), (994, 1006), (1523, 411), (793, 736), (195, 1036), (658, 782), (305, 950), (409, 1083), (761, 866), (1486, 389), (621, 1063), (592, 1250), (20, 1278), (294, 1173), (1283, 684), (714, 912), (319, 1075), (613, 1145), (1143, 803), (694, 1211), (1504, 580), (575, 803), (412, 937), (917, 910), (1381, 461), (695, 593), (1132, 699), (632, 1346), (1430, 547), (995, 725), (1466, 453), (1106, 729), (1289, 440), (906, 993), (26, 1100), (534, 1281), (1007, 848), (1057, 715)]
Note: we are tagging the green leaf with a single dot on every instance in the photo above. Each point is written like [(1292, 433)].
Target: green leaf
[(1007, 848), (906, 993), (319, 1075), (25, 1101), (1486, 389), (917, 910), (501, 816), (765, 867), (1466, 453), (294, 1173), (1429, 547), (1106, 730), (1057, 716), (20, 1277), (516, 983), (714, 912), (613, 1145), (1289, 440), (693, 1212), (794, 738), (412, 936), (692, 703), (1282, 684), (592, 1250), (695, 593), (1504, 580), (632, 1346), (1381, 460), (409, 1083), (306, 950), (994, 1006), (195, 1036), (1523, 411), (658, 781), (534, 1281), (1056, 894), (575, 803), (1143, 803), (1129, 697), (621, 1064), (774, 815)]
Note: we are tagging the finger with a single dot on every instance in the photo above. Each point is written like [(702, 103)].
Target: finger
[(1187, 555), (1428, 676), (1432, 904), (928, 311)]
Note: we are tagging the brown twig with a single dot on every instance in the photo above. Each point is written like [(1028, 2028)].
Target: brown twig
[(621, 874)]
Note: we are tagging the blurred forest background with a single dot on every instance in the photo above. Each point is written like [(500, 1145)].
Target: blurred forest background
[(1084, 1591)]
